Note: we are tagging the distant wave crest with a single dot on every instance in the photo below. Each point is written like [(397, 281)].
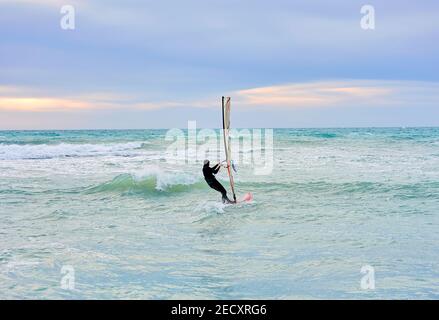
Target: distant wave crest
[(46, 151)]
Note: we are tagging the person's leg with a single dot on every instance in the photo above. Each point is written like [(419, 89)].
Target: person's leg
[(218, 187), (226, 199), (224, 194)]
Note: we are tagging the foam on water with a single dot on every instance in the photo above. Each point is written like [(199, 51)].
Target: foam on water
[(45, 151)]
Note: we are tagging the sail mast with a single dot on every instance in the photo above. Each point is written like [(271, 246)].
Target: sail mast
[(227, 144)]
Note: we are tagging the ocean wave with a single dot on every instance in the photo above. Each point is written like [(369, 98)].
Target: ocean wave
[(47, 151), (149, 180)]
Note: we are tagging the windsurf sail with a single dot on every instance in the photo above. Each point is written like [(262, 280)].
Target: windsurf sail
[(227, 141)]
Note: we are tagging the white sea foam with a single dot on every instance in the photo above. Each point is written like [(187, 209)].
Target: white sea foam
[(45, 151), (211, 207)]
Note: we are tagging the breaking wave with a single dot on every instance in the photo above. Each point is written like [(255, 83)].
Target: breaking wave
[(46, 151), (150, 180)]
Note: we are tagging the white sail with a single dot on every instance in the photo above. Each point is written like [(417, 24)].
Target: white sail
[(227, 141)]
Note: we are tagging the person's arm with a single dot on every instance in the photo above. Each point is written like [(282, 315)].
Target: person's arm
[(216, 168)]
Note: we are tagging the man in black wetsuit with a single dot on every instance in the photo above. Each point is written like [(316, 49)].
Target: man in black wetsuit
[(208, 173)]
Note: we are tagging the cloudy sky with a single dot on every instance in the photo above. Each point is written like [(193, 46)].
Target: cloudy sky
[(158, 64)]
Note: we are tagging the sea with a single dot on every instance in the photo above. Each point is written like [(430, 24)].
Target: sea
[(347, 213)]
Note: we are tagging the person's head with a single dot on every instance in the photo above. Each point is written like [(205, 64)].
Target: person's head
[(206, 162)]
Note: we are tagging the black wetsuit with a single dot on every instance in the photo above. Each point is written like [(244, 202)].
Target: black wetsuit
[(208, 173)]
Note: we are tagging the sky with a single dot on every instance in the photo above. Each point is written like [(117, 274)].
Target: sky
[(158, 64)]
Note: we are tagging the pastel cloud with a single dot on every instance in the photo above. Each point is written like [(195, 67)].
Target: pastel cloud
[(40, 104), (14, 98), (30, 99), (324, 94), (340, 93)]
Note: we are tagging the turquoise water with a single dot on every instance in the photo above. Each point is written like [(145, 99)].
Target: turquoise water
[(132, 225)]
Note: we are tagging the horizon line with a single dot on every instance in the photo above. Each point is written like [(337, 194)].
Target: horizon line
[(217, 128)]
